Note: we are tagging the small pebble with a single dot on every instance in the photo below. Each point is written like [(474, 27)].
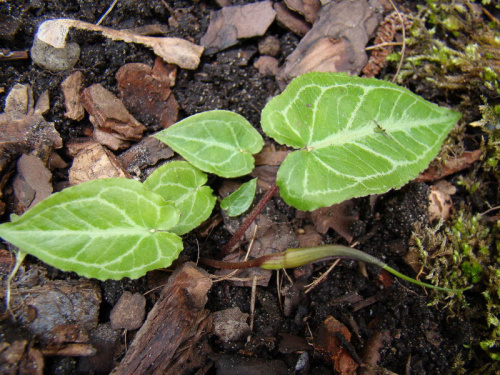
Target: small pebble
[(55, 59), (128, 312), (230, 324), (267, 65), (270, 46)]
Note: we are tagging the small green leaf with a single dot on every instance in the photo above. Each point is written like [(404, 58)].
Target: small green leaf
[(105, 229), (219, 142), (356, 136), (239, 201), (181, 183)]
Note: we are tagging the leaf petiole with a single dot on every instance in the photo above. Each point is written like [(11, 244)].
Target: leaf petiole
[(292, 258)]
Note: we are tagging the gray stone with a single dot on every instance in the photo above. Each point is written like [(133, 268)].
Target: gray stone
[(55, 59)]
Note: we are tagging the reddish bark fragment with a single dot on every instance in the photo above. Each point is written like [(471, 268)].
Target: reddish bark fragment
[(450, 166), (108, 114), (146, 93), (290, 20), (308, 8), (326, 341)]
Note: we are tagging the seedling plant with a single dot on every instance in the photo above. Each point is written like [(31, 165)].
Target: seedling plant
[(350, 136)]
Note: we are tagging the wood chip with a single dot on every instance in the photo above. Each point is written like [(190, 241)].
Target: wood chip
[(32, 183), (70, 350), (230, 24), (108, 114), (23, 131), (71, 88), (146, 94), (336, 43), (450, 166), (173, 50), (93, 162), (308, 8), (145, 154), (20, 99), (174, 325), (42, 105), (328, 341), (290, 20)]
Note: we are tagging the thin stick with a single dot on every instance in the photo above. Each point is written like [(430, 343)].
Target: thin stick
[(107, 12), (252, 302), (403, 48), (385, 44), (279, 278), (322, 277), (227, 248)]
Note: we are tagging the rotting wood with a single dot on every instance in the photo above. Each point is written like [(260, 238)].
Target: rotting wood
[(173, 326)]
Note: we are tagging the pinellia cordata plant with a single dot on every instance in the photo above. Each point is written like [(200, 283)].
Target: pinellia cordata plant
[(351, 137)]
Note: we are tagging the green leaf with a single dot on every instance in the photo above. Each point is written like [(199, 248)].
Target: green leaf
[(356, 136), (239, 201), (219, 142), (181, 183), (105, 229)]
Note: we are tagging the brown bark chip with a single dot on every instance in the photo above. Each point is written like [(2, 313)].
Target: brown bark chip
[(109, 115), (328, 341), (146, 94), (173, 326), (290, 20), (336, 43), (93, 162), (32, 183), (71, 88), (237, 22)]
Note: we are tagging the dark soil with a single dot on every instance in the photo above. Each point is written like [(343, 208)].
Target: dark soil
[(421, 339)]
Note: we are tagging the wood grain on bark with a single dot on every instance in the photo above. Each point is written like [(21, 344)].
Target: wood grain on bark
[(173, 326)]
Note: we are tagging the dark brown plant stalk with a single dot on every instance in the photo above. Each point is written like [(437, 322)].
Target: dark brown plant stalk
[(227, 248)]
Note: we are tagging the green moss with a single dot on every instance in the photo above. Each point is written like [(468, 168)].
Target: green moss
[(456, 48)]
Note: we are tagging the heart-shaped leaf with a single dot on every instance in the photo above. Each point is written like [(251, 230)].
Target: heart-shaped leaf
[(356, 136), (105, 229), (239, 201), (181, 183), (219, 142)]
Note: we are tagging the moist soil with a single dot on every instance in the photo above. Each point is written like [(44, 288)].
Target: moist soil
[(418, 338)]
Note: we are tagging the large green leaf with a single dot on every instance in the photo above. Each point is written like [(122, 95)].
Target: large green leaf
[(355, 136), (181, 183), (105, 229), (219, 142), (240, 200)]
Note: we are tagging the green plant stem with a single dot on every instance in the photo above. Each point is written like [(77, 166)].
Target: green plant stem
[(227, 248), (292, 258)]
